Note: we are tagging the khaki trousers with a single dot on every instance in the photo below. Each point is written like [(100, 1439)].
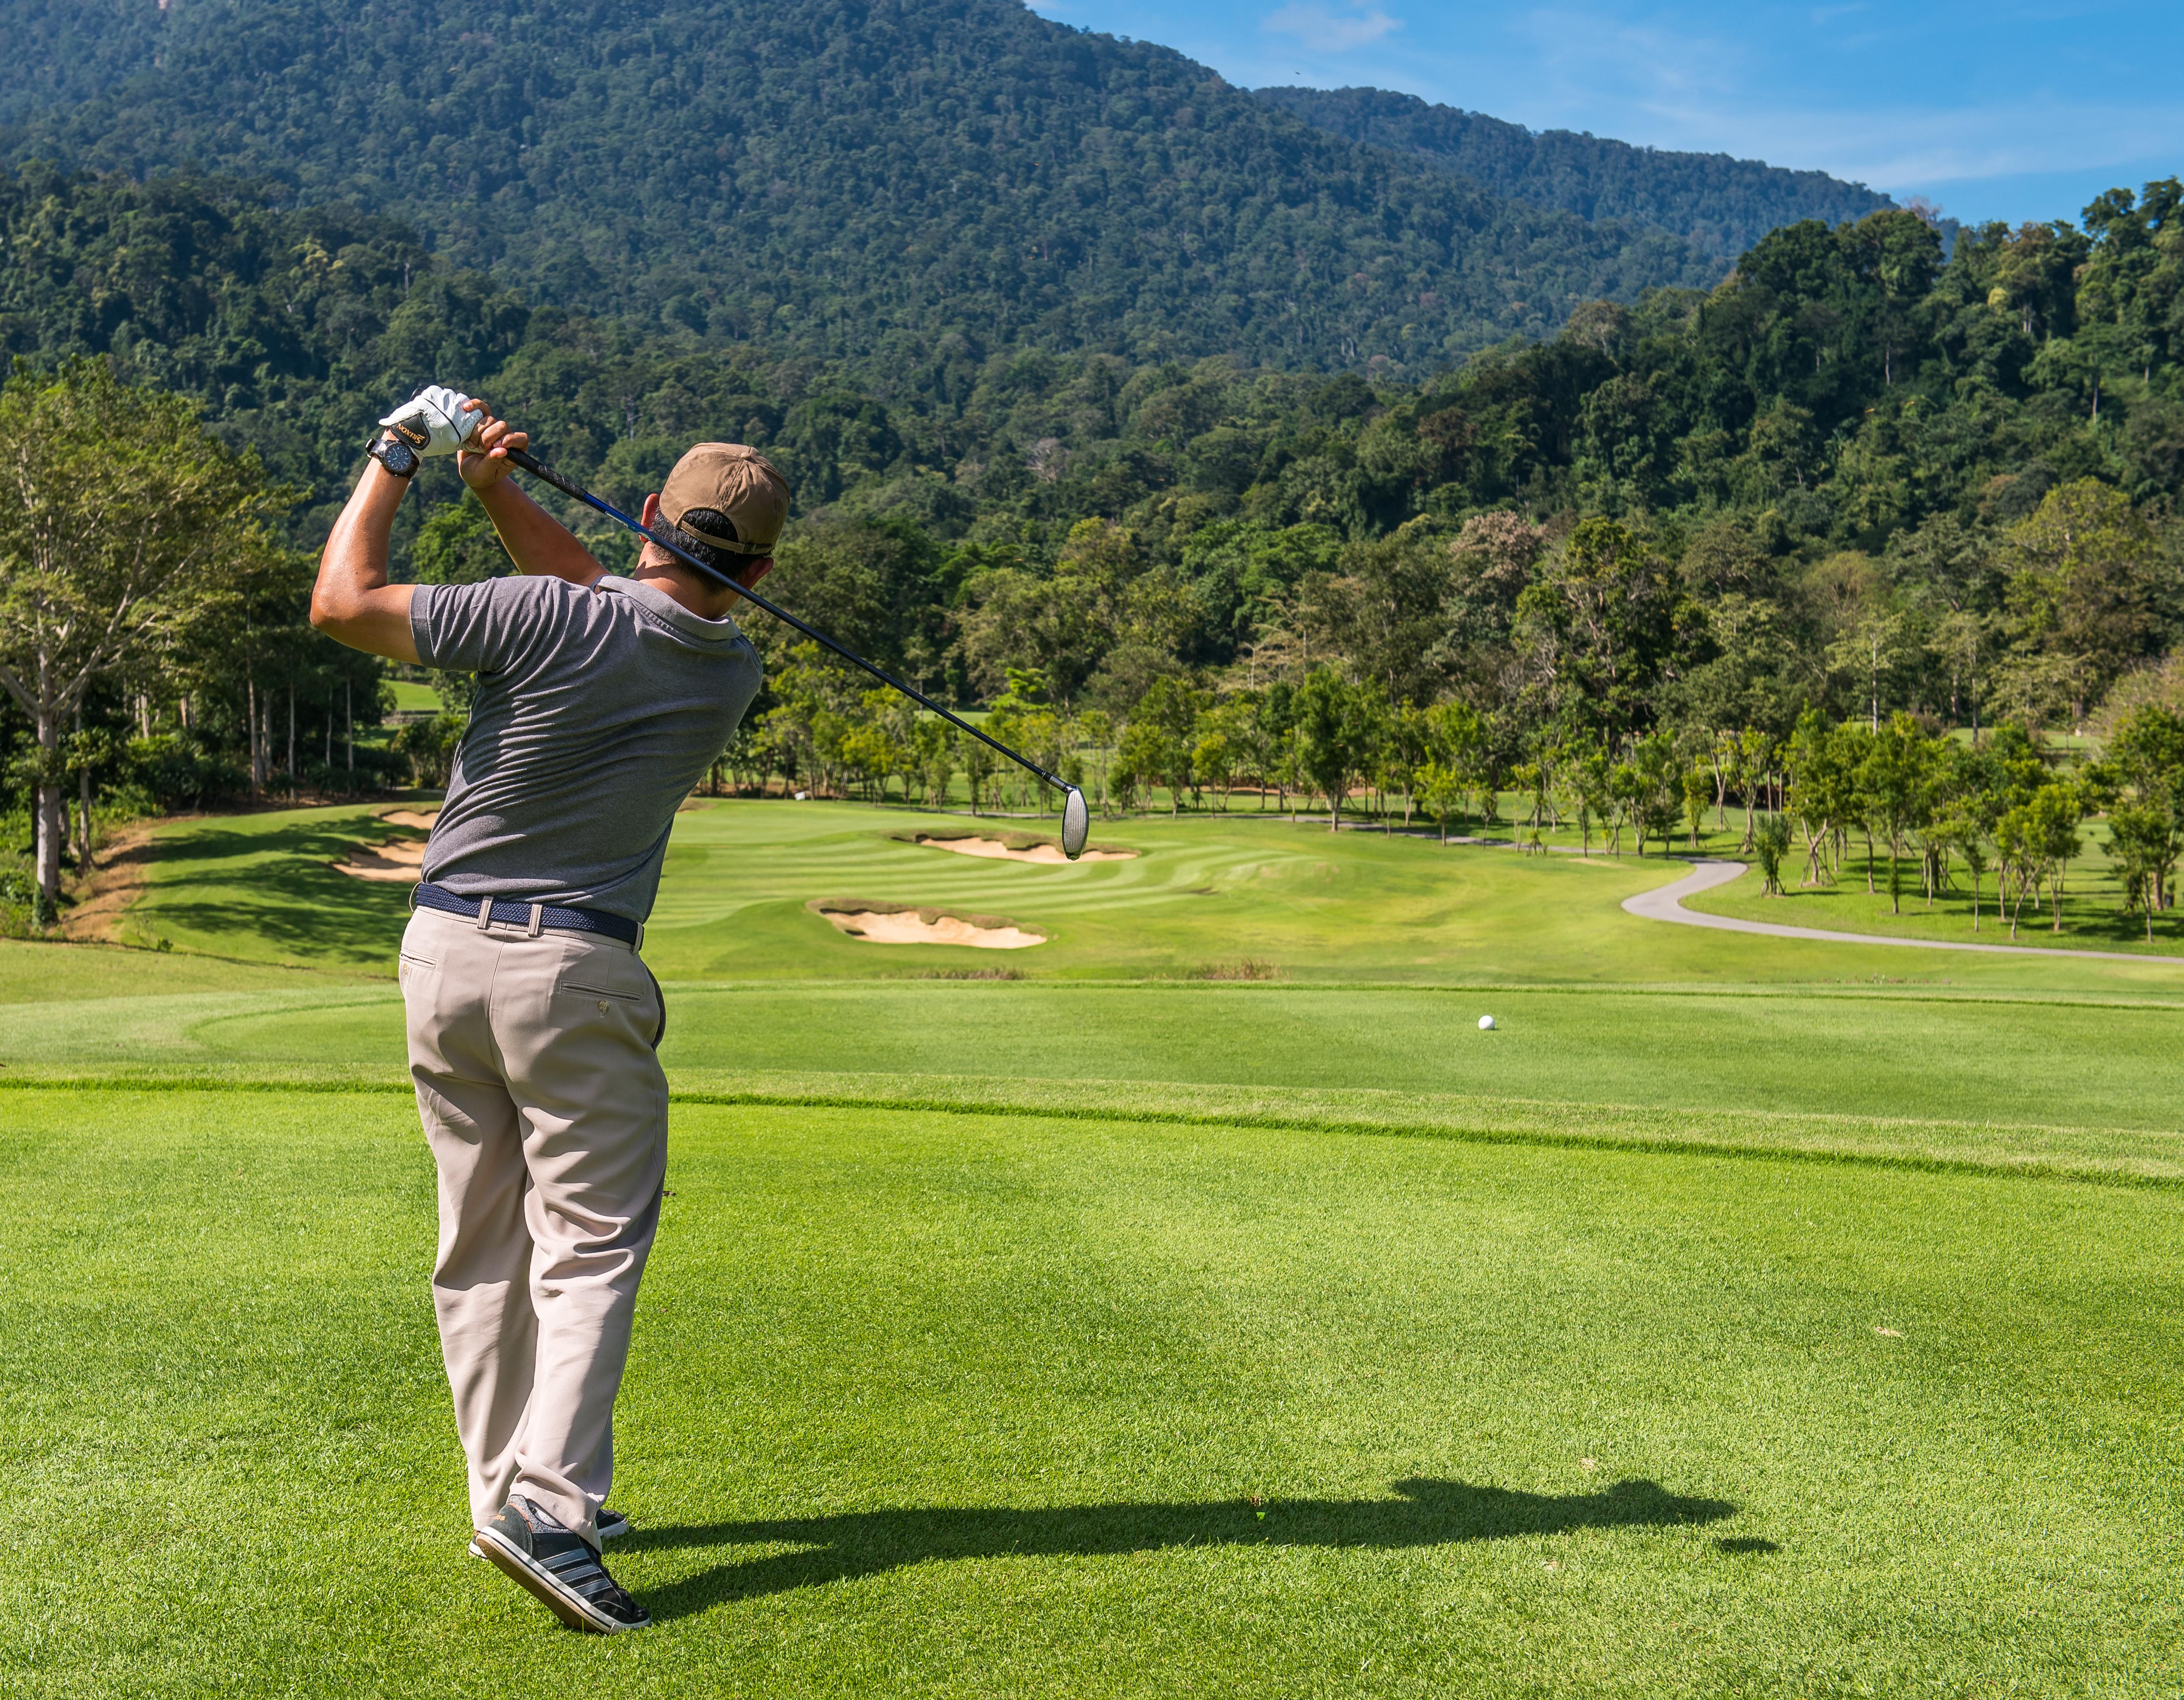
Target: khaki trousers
[(546, 1110)]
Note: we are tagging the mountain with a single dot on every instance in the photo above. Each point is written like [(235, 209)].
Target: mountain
[(1717, 204), (894, 181)]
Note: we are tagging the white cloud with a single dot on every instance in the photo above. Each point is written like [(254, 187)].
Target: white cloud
[(1330, 30)]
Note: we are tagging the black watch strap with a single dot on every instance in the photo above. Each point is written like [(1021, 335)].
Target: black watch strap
[(396, 456)]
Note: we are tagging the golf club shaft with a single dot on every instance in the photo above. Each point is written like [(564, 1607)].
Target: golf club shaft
[(538, 470)]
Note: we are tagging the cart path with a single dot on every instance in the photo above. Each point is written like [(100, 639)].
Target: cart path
[(1666, 903)]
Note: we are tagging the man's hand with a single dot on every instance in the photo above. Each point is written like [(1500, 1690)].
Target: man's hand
[(436, 422), (484, 460)]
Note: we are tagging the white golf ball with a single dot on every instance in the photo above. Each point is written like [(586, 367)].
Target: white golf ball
[(1486, 1023)]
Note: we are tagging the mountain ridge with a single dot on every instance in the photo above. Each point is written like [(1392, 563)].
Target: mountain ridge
[(843, 178), (1719, 203)]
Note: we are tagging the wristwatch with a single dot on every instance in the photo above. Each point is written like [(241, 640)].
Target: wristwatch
[(396, 456)]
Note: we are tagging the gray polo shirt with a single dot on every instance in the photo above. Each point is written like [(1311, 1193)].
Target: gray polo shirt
[(598, 709)]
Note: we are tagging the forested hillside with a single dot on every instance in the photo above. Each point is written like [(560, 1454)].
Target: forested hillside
[(1837, 442), (1715, 202), (836, 178)]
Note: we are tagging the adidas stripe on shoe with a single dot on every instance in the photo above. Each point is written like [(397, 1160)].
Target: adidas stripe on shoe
[(537, 1552)]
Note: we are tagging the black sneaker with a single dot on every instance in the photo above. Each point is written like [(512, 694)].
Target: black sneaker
[(560, 1568), (610, 1524)]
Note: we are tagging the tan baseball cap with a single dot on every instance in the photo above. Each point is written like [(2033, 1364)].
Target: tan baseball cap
[(728, 497)]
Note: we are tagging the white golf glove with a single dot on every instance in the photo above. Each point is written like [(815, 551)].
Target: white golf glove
[(436, 422)]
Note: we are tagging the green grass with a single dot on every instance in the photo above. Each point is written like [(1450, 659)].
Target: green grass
[(263, 888), (1205, 896), (412, 698), (983, 1311), (929, 1403), (2093, 917)]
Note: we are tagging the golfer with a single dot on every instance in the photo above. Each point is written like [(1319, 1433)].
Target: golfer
[(533, 1024)]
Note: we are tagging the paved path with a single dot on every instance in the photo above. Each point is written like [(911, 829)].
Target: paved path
[(1666, 903)]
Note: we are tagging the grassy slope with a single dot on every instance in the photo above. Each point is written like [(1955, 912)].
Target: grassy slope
[(938, 1404), (262, 888)]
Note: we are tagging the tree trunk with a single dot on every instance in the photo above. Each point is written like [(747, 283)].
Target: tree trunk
[(348, 707), (49, 853), (250, 719)]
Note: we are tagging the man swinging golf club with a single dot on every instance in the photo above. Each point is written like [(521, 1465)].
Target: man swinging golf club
[(533, 1024)]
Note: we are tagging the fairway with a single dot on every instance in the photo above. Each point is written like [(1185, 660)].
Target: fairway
[(1742, 1317)]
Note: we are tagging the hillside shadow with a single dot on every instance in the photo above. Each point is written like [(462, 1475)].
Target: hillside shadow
[(864, 1543), (280, 886)]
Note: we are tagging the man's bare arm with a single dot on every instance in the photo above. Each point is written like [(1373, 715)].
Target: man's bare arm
[(353, 603), (539, 543)]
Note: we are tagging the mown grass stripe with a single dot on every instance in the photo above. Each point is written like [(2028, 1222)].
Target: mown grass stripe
[(2119, 1171)]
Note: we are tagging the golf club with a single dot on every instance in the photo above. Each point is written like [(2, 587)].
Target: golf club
[(1076, 818)]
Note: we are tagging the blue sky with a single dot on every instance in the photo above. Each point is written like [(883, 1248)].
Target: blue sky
[(1996, 110)]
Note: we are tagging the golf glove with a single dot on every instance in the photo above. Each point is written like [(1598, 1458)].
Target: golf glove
[(436, 422)]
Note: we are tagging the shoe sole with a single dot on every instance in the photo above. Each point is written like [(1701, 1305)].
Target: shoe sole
[(567, 1605)]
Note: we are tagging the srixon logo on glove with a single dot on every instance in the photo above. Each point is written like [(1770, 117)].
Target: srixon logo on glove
[(435, 422)]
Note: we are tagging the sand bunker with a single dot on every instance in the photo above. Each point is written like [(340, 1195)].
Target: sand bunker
[(1017, 847), (403, 860), (885, 924)]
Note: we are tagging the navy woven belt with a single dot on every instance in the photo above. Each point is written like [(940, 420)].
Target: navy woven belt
[(532, 917)]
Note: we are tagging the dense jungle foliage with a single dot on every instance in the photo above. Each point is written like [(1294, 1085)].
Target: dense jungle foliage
[(1714, 201), (827, 178)]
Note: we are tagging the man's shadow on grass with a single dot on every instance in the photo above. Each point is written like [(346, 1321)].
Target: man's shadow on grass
[(862, 1543)]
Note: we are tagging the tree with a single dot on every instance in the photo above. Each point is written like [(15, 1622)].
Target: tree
[(978, 769), (1441, 793), (2017, 841), (1589, 775), (2146, 756), (125, 526), (1698, 785), (1894, 778), (1961, 830), (1160, 741), (2142, 844), (1327, 737), (2083, 587), (1823, 785), (1770, 843), (2057, 809), (1658, 796)]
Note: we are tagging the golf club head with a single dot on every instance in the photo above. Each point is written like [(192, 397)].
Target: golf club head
[(1076, 823)]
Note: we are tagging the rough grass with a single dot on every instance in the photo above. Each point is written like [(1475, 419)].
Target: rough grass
[(929, 1403)]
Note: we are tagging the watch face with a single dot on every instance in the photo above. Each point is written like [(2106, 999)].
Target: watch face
[(397, 457)]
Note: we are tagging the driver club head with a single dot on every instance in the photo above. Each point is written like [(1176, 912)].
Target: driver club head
[(1076, 823)]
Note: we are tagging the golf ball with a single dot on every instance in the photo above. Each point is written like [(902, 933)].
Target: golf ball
[(1486, 1023)]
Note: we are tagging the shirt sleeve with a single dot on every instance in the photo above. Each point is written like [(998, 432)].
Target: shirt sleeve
[(480, 628)]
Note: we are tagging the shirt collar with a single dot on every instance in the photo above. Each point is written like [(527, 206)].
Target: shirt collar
[(660, 604)]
